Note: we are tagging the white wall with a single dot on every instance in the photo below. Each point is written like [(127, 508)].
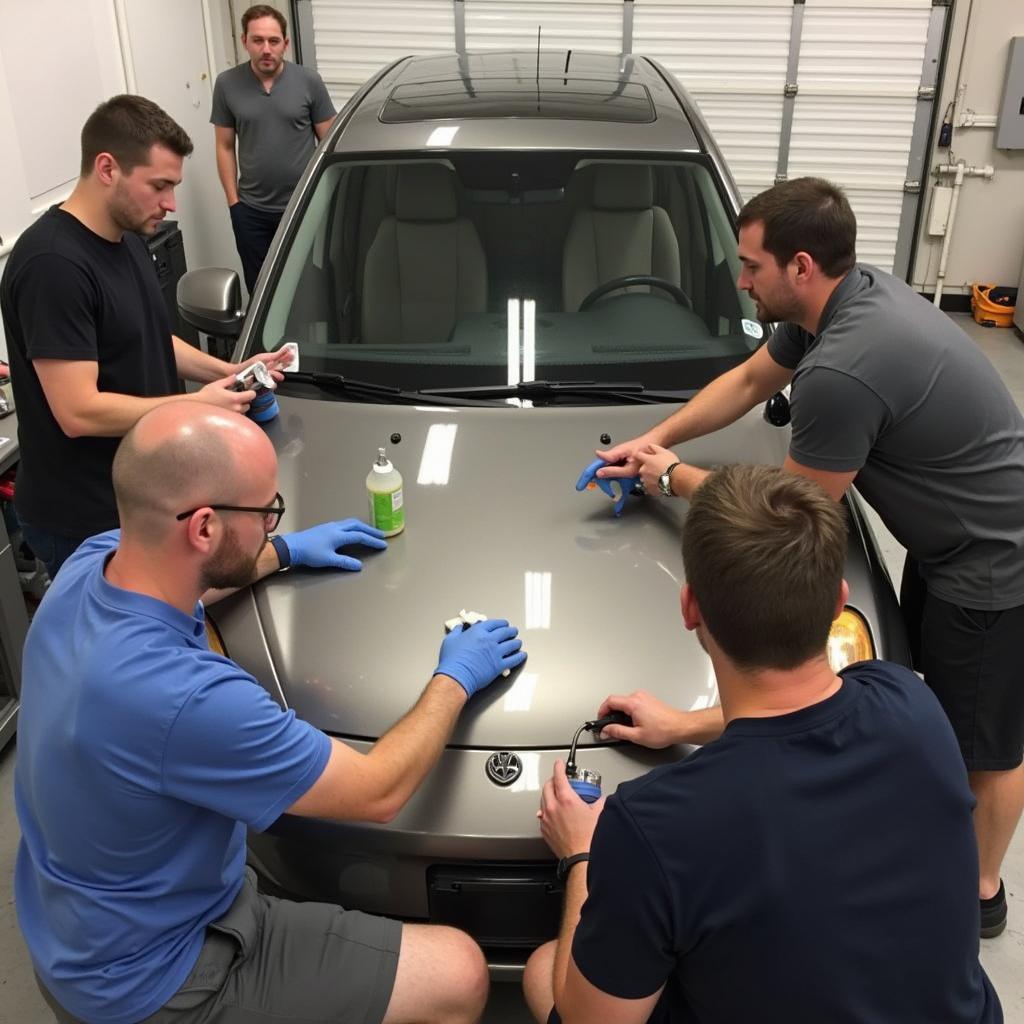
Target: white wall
[(128, 46), (987, 244)]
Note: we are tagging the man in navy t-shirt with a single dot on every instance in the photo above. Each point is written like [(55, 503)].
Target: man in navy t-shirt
[(143, 756), (813, 862)]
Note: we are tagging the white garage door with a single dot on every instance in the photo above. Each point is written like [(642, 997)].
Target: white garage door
[(857, 69)]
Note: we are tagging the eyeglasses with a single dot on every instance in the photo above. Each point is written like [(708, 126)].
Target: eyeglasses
[(271, 514)]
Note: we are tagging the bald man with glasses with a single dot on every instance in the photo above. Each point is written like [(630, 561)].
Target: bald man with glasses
[(143, 757)]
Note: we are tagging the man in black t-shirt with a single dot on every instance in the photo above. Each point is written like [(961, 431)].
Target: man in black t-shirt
[(813, 862), (91, 348)]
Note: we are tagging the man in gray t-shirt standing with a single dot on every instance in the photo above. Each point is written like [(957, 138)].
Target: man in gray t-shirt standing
[(889, 394), (278, 111)]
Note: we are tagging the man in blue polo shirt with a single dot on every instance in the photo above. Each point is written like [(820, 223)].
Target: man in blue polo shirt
[(143, 756), (814, 862)]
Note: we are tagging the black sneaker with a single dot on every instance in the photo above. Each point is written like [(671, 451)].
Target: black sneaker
[(993, 914)]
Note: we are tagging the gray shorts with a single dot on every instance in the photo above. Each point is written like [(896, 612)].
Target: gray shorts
[(275, 960)]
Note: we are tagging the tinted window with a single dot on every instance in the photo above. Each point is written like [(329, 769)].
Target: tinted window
[(440, 273)]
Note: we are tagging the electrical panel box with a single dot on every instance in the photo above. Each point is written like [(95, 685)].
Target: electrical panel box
[(938, 211), (1010, 123)]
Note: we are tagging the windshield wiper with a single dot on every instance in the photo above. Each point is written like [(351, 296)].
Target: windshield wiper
[(336, 382), (552, 390)]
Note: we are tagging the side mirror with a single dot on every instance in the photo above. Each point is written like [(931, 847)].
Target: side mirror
[(776, 410), (211, 301)]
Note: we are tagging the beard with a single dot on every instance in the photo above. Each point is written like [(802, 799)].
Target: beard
[(127, 214), (782, 308), (231, 566)]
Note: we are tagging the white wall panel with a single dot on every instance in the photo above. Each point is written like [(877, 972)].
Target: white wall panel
[(356, 38)]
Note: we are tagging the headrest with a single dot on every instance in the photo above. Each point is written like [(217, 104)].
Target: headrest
[(623, 187), (425, 192)]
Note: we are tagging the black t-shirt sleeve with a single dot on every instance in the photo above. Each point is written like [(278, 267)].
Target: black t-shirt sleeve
[(836, 420), (56, 305), (624, 944)]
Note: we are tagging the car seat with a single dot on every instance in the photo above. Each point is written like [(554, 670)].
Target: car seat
[(425, 266), (620, 233)]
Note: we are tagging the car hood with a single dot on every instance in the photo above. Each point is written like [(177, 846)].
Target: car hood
[(497, 529)]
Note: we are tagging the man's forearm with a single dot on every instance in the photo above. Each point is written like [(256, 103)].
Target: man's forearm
[(227, 171), (403, 757), (575, 897), (110, 414), (196, 365), (722, 402)]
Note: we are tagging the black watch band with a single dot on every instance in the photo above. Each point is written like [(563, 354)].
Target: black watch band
[(566, 863), (284, 556)]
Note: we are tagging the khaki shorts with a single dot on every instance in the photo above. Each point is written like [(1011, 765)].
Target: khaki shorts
[(274, 960)]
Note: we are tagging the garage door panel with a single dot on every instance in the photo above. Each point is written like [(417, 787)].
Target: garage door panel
[(354, 40), (860, 66), (568, 24)]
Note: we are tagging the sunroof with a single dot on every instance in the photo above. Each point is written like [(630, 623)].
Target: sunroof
[(574, 99)]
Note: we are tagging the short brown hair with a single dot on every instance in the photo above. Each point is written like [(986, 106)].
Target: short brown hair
[(264, 11), (127, 127), (806, 215), (764, 551)]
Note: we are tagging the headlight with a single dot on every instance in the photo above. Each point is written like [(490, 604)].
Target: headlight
[(216, 644), (849, 640)]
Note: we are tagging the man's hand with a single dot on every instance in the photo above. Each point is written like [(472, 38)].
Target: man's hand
[(567, 823), (622, 459), (589, 476), (220, 394), (318, 546), (655, 723), (475, 656), (652, 461), (276, 362)]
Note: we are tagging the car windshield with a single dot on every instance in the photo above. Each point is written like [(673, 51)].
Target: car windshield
[(486, 269)]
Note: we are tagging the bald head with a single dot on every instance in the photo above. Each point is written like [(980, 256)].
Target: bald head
[(184, 455)]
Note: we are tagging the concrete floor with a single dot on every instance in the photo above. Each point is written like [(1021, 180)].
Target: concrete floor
[(1003, 957)]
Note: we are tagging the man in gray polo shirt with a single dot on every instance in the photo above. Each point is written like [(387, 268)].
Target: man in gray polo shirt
[(278, 111), (889, 394)]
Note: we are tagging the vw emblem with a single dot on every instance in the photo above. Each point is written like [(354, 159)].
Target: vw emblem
[(504, 767)]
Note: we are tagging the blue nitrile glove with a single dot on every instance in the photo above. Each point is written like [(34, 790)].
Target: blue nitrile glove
[(626, 483), (318, 546), (475, 656)]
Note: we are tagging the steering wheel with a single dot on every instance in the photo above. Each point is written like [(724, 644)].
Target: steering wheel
[(629, 281)]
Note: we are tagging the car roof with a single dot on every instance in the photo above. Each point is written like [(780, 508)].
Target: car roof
[(521, 99)]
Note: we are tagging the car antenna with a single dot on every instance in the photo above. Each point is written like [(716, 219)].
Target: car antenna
[(568, 57)]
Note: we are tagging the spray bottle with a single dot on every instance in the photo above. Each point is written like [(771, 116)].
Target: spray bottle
[(384, 485)]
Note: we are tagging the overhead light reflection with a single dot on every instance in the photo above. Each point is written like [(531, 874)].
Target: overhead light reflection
[(530, 779), (442, 136), (512, 357), (436, 461), (537, 594), (529, 336), (520, 695)]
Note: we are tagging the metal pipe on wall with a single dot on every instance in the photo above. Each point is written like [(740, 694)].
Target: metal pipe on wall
[(961, 170), (124, 38)]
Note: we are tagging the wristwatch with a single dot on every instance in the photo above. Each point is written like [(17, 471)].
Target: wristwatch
[(566, 863), (665, 481)]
